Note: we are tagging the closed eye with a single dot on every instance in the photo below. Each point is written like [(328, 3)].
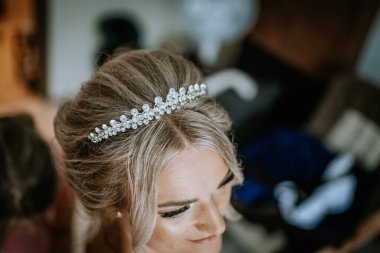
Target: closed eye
[(175, 213), (228, 179)]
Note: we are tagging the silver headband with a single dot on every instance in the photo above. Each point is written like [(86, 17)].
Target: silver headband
[(174, 100)]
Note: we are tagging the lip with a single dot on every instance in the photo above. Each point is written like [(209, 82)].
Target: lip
[(204, 240)]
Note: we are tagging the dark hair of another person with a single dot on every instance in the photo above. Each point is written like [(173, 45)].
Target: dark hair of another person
[(28, 177)]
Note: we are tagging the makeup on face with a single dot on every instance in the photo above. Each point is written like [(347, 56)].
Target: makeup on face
[(193, 194), (185, 205)]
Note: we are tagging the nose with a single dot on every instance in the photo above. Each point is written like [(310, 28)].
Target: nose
[(211, 220)]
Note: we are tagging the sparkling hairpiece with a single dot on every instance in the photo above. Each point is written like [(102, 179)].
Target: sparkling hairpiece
[(174, 100)]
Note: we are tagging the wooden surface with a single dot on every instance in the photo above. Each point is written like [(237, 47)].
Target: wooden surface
[(318, 37)]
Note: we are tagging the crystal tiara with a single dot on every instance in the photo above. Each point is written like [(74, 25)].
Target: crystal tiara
[(174, 100)]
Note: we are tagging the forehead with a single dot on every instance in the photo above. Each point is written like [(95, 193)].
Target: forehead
[(192, 173)]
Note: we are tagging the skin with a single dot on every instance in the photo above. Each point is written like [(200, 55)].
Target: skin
[(201, 178)]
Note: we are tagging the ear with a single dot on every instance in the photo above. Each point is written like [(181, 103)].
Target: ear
[(114, 235)]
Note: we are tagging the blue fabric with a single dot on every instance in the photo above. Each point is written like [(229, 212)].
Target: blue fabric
[(282, 155), (253, 191)]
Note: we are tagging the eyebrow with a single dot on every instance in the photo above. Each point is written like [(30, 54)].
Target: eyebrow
[(178, 203), (227, 178)]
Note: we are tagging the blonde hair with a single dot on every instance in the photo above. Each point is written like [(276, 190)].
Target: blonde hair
[(122, 172)]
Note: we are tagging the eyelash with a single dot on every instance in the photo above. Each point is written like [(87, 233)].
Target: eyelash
[(175, 213), (228, 180)]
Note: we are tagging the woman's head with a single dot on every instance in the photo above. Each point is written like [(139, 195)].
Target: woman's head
[(28, 178), (123, 173)]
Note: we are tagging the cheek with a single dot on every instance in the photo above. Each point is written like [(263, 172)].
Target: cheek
[(167, 229), (222, 198)]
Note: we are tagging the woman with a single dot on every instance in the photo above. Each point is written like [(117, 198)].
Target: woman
[(158, 176), (35, 206)]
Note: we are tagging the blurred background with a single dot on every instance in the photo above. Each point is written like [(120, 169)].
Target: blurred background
[(300, 79)]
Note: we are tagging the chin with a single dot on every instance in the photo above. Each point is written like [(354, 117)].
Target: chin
[(215, 246)]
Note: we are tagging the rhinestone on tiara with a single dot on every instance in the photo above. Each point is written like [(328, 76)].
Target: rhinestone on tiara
[(174, 100)]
